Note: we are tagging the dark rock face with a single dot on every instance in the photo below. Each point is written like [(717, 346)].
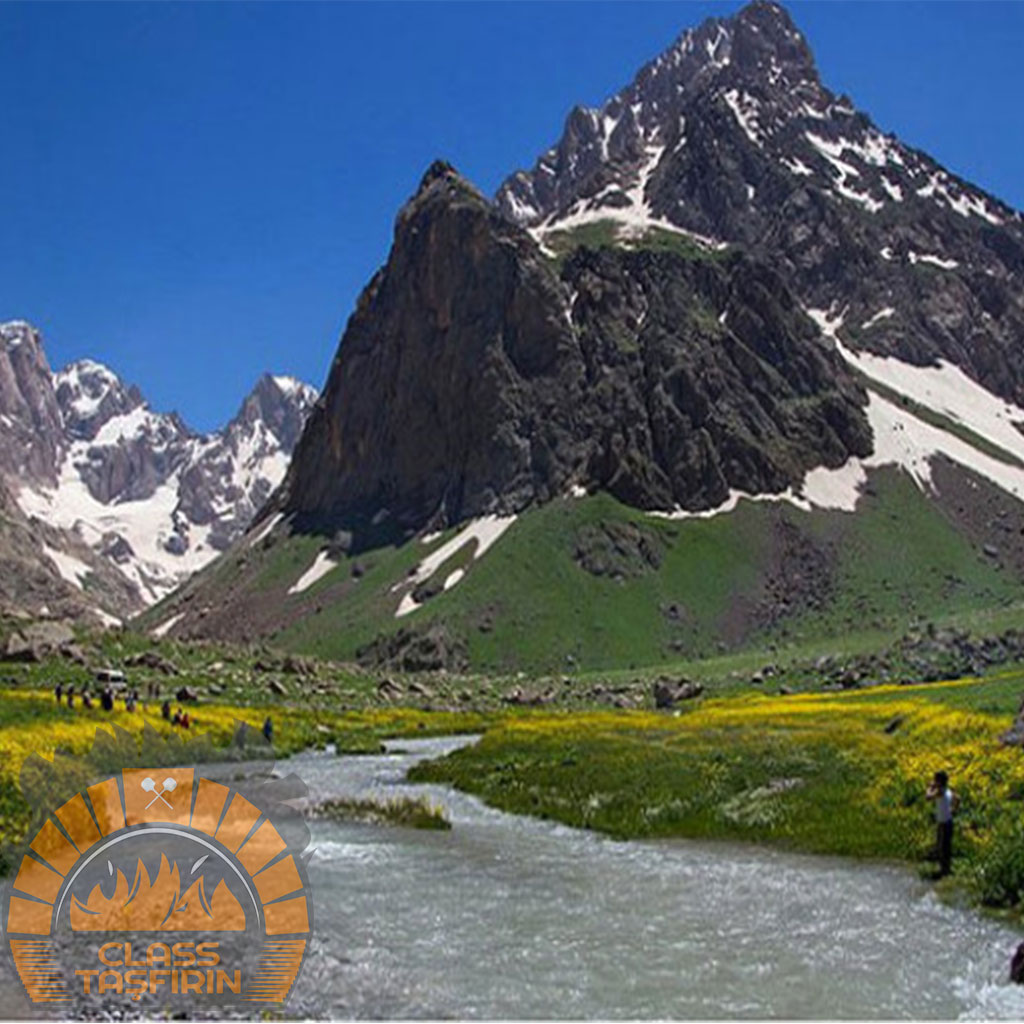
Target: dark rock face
[(477, 376), (452, 393), (31, 432), (731, 134)]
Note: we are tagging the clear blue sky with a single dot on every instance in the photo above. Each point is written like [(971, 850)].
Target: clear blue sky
[(196, 193)]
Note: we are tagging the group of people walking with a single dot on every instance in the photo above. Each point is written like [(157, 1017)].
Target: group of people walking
[(106, 698), (68, 695)]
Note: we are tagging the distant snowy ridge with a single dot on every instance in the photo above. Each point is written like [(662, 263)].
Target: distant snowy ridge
[(148, 495)]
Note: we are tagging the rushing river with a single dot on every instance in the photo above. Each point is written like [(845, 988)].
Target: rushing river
[(509, 917)]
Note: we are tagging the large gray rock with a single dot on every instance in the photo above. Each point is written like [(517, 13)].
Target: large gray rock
[(37, 641)]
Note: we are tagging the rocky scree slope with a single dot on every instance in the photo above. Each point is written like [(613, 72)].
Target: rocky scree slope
[(108, 505)]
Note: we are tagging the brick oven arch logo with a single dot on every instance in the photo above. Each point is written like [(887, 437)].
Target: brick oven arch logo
[(165, 884)]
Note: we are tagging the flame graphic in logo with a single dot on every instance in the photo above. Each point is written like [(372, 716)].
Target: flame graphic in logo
[(158, 906)]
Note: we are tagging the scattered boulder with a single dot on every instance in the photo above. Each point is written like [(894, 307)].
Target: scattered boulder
[(432, 649), (37, 641), (154, 660), (388, 689), (296, 666), (277, 687), (669, 692), (74, 653), (186, 693), (428, 589), (519, 698)]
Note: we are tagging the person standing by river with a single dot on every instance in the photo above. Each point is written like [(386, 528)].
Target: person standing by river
[(946, 803)]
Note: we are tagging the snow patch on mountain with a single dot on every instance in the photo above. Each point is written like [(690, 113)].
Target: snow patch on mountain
[(483, 532), (74, 570), (947, 390), (137, 533), (322, 565), (901, 438)]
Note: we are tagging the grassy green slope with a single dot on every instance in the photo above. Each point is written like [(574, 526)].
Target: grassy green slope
[(528, 603)]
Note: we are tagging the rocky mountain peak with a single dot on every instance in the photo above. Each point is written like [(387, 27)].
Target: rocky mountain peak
[(763, 31), (89, 395), (479, 375), (31, 435), (279, 403), (615, 147), (730, 138), (441, 186), (121, 492), (439, 170)]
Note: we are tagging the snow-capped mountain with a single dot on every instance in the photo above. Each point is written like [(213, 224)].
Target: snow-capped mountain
[(724, 286), (730, 138), (681, 302), (129, 489)]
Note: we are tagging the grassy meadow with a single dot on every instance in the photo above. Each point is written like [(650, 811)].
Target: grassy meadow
[(31, 722), (840, 773), (830, 773)]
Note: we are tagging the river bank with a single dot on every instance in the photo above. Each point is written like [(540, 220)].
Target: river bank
[(826, 773), (515, 917)]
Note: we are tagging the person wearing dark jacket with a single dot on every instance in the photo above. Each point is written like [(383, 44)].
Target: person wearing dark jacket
[(946, 804)]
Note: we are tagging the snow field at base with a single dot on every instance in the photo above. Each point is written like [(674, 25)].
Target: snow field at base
[(946, 389), (72, 569)]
